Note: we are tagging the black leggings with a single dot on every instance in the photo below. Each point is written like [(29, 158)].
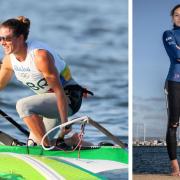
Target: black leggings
[(172, 90)]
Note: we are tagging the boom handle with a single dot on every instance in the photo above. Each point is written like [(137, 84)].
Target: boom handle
[(106, 132), (18, 126)]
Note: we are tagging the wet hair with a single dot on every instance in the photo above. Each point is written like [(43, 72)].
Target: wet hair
[(19, 25), (173, 10)]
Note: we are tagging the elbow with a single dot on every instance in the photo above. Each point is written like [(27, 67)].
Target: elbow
[(177, 53), (177, 58)]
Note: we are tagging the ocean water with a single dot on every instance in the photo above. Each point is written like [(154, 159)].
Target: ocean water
[(92, 37), (150, 122), (151, 160)]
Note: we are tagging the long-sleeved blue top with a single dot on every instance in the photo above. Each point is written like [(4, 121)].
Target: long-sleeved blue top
[(171, 40)]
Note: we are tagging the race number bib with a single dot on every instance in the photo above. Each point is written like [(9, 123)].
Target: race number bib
[(38, 86)]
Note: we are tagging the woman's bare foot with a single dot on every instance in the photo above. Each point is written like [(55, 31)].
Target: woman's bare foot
[(175, 168)]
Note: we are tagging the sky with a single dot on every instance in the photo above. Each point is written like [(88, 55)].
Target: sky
[(150, 65), (150, 61)]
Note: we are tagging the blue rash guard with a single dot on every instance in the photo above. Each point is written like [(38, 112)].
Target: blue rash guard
[(171, 39)]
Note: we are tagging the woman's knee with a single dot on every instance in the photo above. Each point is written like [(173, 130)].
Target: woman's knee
[(171, 133), (24, 108)]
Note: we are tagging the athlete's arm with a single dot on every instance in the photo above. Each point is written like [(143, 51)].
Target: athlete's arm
[(173, 50), (45, 64), (6, 72), (178, 46)]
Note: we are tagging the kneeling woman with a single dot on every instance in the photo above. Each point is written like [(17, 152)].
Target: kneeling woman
[(40, 68)]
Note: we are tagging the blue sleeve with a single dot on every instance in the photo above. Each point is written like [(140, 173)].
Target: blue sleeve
[(170, 45)]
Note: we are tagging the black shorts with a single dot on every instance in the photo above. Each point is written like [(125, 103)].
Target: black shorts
[(172, 91)]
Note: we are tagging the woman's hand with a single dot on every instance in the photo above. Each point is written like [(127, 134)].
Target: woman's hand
[(64, 131), (178, 47)]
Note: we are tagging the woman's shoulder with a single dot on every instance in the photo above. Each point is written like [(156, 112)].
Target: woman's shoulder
[(168, 34), (168, 31), (6, 62)]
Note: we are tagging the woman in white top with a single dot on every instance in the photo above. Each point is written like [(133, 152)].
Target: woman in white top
[(40, 68)]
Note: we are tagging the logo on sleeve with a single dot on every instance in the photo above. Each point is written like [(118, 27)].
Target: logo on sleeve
[(168, 38)]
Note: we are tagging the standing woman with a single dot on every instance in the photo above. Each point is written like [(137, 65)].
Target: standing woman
[(171, 40), (40, 68)]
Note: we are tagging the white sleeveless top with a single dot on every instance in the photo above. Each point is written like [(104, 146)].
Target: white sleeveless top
[(27, 72)]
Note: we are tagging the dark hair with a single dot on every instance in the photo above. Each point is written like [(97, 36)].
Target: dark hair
[(20, 25), (175, 7)]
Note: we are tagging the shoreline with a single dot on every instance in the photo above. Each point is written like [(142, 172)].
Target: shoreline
[(154, 177)]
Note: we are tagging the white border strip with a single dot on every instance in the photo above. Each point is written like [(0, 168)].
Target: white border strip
[(130, 82)]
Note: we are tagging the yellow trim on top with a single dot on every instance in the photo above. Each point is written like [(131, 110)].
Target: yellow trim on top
[(66, 73)]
